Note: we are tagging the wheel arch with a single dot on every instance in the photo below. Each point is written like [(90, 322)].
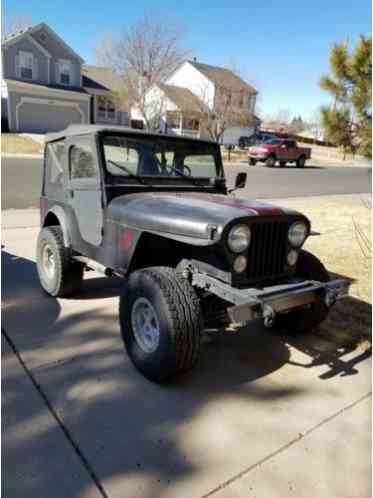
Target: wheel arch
[(157, 250), (57, 216)]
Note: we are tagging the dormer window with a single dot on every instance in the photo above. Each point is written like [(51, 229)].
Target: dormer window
[(26, 65), (64, 72)]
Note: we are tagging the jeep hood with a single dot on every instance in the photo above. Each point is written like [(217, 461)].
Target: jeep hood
[(185, 216)]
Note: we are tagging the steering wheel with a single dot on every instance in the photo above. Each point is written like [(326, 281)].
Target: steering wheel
[(186, 170)]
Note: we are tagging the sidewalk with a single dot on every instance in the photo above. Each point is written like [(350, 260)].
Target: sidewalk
[(262, 414), (38, 460)]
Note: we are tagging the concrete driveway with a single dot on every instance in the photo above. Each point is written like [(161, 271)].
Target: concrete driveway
[(262, 415)]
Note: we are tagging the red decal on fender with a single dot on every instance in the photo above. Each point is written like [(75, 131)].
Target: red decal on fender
[(126, 240)]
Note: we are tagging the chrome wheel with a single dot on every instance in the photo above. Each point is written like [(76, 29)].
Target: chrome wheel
[(145, 325), (49, 261)]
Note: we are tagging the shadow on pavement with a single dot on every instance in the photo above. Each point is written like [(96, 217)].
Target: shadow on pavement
[(126, 426)]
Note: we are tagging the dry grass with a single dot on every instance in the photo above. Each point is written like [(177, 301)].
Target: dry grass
[(11, 143), (341, 221)]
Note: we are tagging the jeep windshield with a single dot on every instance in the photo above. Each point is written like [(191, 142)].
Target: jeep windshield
[(160, 157)]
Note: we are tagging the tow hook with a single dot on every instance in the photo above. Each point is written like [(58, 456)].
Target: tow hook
[(268, 315)]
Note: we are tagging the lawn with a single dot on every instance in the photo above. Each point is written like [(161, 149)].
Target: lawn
[(12, 143), (344, 246)]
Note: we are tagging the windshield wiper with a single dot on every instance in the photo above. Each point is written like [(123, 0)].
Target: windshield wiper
[(130, 174)]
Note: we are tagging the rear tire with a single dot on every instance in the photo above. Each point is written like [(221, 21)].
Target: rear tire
[(59, 275), (301, 161), (252, 162), (271, 161), (161, 322), (306, 319)]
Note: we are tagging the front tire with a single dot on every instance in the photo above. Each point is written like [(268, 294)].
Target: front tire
[(271, 161), (161, 322), (300, 320), (59, 275), (252, 162)]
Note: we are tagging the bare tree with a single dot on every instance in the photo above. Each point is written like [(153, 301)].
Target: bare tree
[(230, 108), (15, 24), (144, 56), (315, 125)]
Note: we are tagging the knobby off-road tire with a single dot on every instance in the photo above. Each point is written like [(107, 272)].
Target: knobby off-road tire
[(252, 162), (59, 275), (301, 162), (271, 161), (306, 319), (172, 308)]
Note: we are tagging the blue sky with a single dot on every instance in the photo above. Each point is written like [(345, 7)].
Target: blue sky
[(281, 47)]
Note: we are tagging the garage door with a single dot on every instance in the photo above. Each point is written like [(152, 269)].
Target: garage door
[(42, 118)]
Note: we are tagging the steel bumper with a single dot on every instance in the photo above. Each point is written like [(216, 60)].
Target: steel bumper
[(266, 303), (250, 304)]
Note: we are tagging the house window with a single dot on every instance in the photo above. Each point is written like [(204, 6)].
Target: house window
[(105, 108), (191, 124), (26, 65), (64, 72), (137, 124)]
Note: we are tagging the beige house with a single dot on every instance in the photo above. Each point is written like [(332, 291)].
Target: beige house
[(192, 91)]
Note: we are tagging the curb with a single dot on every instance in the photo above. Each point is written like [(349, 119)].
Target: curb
[(20, 156)]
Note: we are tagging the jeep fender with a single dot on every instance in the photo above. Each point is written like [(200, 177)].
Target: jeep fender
[(59, 213)]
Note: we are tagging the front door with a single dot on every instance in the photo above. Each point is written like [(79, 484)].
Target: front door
[(85, 192)]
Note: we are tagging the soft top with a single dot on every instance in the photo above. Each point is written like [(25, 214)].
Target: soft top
[(76, 129)]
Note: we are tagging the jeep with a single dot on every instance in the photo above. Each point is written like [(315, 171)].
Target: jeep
[(155, 210)]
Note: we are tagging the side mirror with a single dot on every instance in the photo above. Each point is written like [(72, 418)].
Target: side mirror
[(240, 180)]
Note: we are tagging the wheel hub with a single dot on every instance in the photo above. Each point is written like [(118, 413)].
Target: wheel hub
[(49, 262), (145, 325)]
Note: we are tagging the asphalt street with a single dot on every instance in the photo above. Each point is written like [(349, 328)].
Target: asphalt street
[(21, 181)]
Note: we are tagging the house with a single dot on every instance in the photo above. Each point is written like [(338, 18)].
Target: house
[(46, 86), (192, 91)]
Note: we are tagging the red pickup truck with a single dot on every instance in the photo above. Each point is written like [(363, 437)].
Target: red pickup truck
[(279, 150)]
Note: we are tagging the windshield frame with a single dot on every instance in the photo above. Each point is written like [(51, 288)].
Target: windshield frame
[(148, 180)]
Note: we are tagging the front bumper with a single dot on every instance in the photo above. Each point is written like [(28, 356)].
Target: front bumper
[(250, 304), (258, 156)]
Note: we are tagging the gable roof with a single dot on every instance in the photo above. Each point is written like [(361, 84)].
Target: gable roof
[(183, 98), (13, 37), (101, 78), (226, 78)]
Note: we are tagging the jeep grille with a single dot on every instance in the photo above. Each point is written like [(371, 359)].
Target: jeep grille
[(267, 251)]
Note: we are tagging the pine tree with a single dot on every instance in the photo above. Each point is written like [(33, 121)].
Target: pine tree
[(348, 121)]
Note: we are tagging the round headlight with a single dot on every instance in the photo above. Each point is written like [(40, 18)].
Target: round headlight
[(297, 233), (292, 257), (240, 264), (239, 238)]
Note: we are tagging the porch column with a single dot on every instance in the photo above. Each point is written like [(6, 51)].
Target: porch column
[(181, 124)]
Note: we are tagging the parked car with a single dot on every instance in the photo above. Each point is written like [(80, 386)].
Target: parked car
[(244, 142), (231, 136), (277, 150), (262, 136), (155, 210)]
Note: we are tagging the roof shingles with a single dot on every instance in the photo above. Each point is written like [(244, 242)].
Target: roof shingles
[(223, 77), (183, 98)]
